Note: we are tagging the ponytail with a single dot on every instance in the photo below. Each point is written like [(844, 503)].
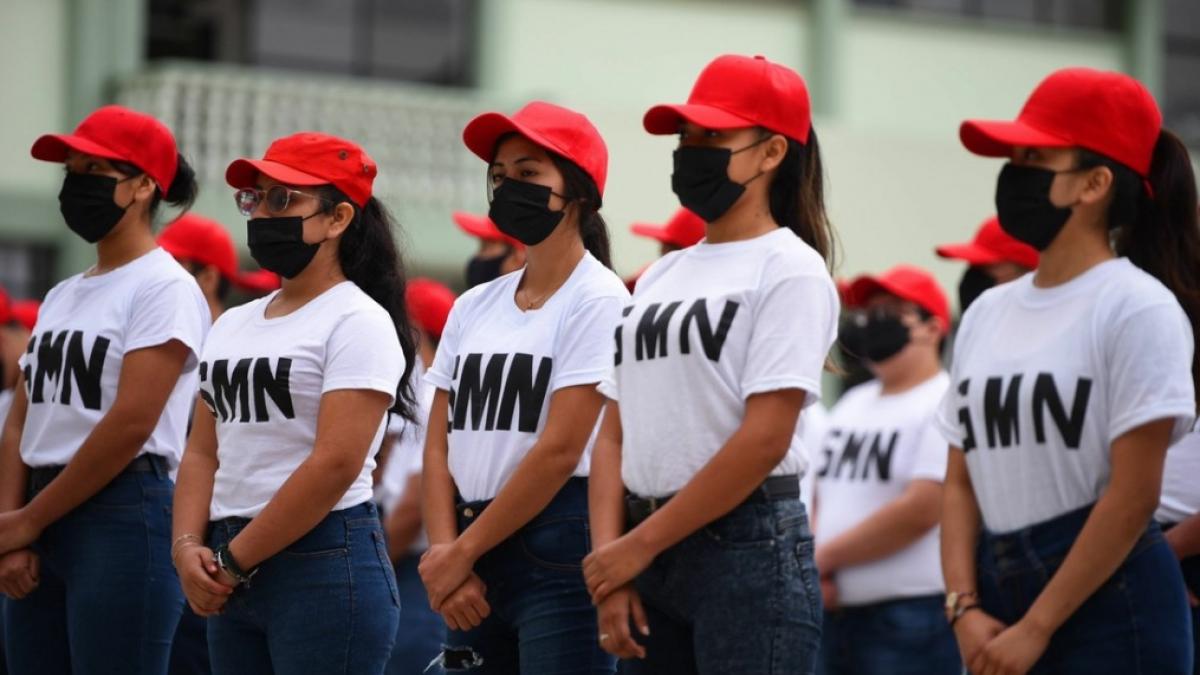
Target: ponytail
[(1159, 234), (369, 257), (180, 194), (797, 197), (580, 189)]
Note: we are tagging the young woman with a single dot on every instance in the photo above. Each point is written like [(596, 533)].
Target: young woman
[(1067, 387), (100, 416), (1179, 515), (721, 349), (879, 488), (294, 573), (516, 374)]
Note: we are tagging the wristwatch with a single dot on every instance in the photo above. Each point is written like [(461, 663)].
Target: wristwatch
[(956, 604), (226, 562)]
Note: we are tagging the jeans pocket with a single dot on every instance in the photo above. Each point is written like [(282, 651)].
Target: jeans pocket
[(558, 544), (323, 541), (124, 493), (744, 527), (385, 565)]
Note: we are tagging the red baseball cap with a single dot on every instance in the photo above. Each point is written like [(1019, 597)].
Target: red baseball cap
[(991, 245), (116, 132), (6, 314), (735, 92), (310, 158), (907, 283), (482, 227), (25, 312), (199, 239), (552, 127), (429, 304), (258, 281), (683, 229), (1108, 113)]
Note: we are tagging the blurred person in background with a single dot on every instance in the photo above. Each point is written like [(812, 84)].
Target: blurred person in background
[(99, 416), (703, 560), (993, 257), (505, 485), (879, 488), (293, 574), (1067, 387), (498, 253), (684, 229), (1179, 515), (422, 631)]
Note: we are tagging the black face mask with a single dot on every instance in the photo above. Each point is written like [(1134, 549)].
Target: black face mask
[(1024, 207), (482, 270), (701, 179), (277, 245), (874, 336), (974, 282), (522, 211), (86, 203)]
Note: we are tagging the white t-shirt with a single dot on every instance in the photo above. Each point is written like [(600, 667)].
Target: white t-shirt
[(876, 445), (710, 326), (263, 379), (1180, 497), (1045, 379), (813, 424), (85, 327), (407, 456), (501, 365)]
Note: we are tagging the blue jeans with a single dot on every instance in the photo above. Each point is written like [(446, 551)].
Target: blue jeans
[(542, 620), (189, 651), (907, 636), (108, 599), (421, 631), (739, 596), (1136, 622), (325, 604)]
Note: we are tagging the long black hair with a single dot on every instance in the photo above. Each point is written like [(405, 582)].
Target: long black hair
[(370, 258), (1159, 233), (797, 197), (182, 191)]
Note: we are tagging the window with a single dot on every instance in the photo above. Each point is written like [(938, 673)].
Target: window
[(26, 270), (1092, 14), (1181, 65)]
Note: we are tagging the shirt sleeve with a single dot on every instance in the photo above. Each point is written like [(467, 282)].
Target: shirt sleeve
[(932, 454), (584, 346), (1149, 367), (170, 310), (441, 373), (363, 352), (795, 324)]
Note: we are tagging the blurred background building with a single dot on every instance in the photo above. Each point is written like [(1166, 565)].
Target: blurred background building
[(890, 81)]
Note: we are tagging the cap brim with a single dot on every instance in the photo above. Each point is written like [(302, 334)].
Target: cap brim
[(480, 228), (258, 281), (54, 147), (995, 138), (480, 135), (243, 173), (969, 253), (665, 119), (656, 232)]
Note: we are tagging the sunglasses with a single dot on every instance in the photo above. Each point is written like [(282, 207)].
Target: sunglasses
[(277, 198)]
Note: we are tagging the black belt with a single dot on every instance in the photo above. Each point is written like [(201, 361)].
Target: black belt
[(40, 476), (772, 489)]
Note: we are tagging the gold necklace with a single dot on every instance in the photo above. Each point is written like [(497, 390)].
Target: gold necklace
[(529, 304)]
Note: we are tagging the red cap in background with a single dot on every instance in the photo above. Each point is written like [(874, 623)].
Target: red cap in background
[(25, 312), (482, 227), (991, 245), (429, 304), (116, 132), (906, 282), (551, 127), (684, 229), (310, 158)]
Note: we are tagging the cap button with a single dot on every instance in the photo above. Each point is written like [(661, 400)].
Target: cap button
[(342, 154), (760, 57)]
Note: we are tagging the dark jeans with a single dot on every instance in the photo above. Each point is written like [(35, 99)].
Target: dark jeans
[(907, 636), (1136, 622), (739, 596), (421, 631), (189, 651), (542, 620), (1191, 577), (326, 604), (108, 599)]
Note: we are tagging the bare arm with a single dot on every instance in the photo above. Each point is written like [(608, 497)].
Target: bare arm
[(148, 377), (606, 489), (346, 424), (403, 523), (437, 485), (960, 525), (1184, 538), (13, 472), (892, 528), (197, 470)]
